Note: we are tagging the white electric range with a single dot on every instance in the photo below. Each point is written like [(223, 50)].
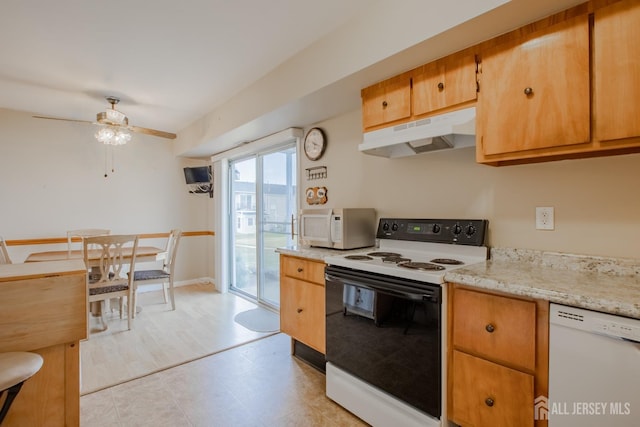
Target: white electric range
[(385, 317)]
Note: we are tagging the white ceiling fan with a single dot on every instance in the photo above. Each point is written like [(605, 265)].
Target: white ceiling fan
[(114, 125)]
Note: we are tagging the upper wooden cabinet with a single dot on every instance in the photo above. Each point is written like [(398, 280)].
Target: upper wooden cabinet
[(534, 94), (433, 87), (386, 102), (444, 83), (564, 87), (617, 71)]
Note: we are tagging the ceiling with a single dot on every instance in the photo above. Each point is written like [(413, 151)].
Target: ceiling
[(169, 61), (177, 65)]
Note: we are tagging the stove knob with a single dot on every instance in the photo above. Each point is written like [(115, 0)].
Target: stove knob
[(457, 229), (435, 228), (385, 226), (394, 227), (471, 230)]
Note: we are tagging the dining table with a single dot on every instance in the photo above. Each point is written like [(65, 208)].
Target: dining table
[(143, 254)]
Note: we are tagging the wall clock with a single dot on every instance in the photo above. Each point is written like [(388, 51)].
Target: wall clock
[(315, 143)]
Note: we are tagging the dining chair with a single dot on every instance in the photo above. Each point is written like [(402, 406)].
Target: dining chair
[(4, 253), (82, 233), (111, 278), (164, 275)]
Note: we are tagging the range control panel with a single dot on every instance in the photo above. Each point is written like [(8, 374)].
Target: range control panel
[(453, 231)]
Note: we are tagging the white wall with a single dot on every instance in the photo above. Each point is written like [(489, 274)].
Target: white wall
[(52, 180), (597, 210)]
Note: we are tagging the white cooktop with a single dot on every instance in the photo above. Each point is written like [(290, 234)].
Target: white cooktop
[(417, 252)]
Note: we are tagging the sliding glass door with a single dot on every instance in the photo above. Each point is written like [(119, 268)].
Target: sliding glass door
[(263, 199)]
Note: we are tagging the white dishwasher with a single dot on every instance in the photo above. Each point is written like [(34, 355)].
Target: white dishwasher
[(594, 369)]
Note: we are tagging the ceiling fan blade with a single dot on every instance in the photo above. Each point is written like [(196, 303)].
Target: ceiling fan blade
[(61, 119), (116, 119), (153, 132)]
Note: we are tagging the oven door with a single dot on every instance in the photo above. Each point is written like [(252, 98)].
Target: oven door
[(386, 331)]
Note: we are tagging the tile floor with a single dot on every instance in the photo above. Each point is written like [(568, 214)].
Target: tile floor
[(257, 384)]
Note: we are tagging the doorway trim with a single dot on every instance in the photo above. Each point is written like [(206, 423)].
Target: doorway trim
[(221, 188)]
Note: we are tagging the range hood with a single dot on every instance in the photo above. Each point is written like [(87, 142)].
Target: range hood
[(450, 130)]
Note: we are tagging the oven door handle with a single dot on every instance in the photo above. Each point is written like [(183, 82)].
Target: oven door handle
[(386, 289)]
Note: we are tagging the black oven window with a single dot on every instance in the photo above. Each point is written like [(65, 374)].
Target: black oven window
[(387, 340)]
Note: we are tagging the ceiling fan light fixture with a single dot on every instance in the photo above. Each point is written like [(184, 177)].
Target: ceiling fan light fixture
[(112, 117), (114, 126), (109, 135), (122, 137)]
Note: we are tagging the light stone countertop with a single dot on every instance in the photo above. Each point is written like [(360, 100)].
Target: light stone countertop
[(596, 283), (610, 285)]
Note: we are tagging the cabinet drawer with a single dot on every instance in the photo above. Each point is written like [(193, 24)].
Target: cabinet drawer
[(302, 269), (487, 394), (498, 328)]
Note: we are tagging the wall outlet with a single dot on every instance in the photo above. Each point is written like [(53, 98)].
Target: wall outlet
[(544, 218)]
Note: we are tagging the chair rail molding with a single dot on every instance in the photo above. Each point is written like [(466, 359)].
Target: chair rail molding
[(54, 240)]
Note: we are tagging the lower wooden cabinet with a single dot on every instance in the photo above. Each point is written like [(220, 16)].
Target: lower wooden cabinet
[(496, 327), (497, 357), (44, 310), (489, 394), (302, 300)]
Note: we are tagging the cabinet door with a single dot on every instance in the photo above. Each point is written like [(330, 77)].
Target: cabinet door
[(617, 71), (444, 83), (534, 93), (488, 394), (302, 312), (387, 101)]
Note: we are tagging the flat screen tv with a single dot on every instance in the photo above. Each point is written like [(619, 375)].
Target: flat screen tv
[(198, 175)]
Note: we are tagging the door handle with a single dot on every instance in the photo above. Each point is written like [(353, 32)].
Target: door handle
[(293, 230)]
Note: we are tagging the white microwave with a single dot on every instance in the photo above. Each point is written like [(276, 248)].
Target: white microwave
[(344, 228)]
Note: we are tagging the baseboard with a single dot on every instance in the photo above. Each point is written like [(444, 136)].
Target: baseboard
[(206, 280)]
